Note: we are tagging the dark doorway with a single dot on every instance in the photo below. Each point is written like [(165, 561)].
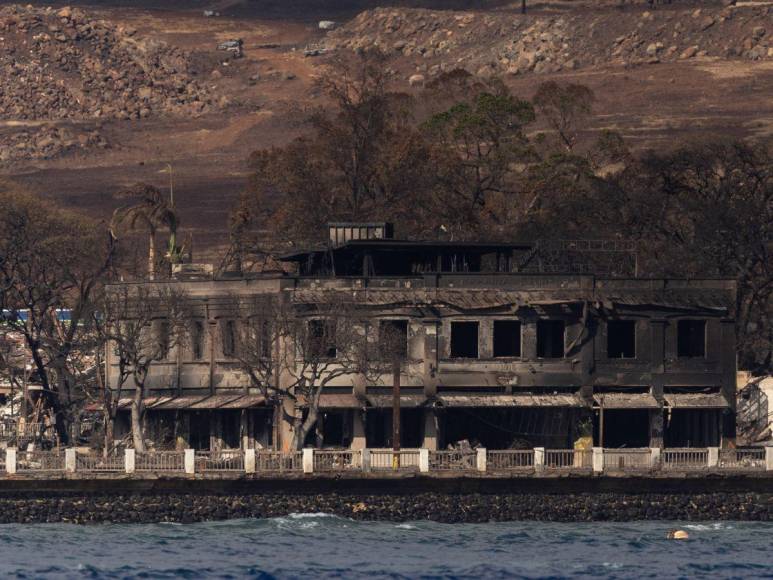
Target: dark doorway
[(515, 427), (378, 428), (393, 339), (550, 338), (231, 429), (507, 338), (692, 428), (623, 428), (621, 339), (200, 430), (691, 340), (464, 339)]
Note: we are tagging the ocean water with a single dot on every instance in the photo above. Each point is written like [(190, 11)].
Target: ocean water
[(322, 546)]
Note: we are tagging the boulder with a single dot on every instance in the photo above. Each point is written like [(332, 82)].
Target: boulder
[(689, 52), (327, 25), (416, 80)]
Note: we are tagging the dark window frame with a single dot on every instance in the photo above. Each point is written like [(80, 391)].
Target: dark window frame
[(393, 323), (460, 352), (501, 322), (315, 351), (541, 352), (685, 348), (622, 350)]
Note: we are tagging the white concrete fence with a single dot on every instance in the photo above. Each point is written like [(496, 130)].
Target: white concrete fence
[(528, 461)]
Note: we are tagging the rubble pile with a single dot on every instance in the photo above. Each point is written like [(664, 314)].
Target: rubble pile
[(47, 142), (508, 43), (62, 64)]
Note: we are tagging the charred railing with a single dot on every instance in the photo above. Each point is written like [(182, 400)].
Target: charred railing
[(520, 462)]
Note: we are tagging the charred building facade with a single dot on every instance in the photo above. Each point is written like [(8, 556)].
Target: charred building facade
[(489, 354)]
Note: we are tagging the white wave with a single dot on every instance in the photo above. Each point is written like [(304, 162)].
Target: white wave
[(708, 527), (406, 527), (302, 516)]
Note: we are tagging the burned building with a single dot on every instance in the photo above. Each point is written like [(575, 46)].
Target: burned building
[(488, 353)]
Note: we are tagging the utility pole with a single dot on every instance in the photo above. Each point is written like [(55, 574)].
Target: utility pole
[(396, 413)]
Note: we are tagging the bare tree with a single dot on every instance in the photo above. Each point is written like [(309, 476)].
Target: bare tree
[(142, 325), (292, 352), (565, 107), (52, 266)]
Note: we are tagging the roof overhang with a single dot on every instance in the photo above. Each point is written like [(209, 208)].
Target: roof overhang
[(696, 401), (626, 401), (523, 400)]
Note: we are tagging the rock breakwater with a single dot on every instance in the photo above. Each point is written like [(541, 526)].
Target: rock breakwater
[(440, 507)]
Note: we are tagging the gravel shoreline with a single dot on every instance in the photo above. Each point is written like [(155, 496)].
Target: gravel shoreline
[(440, 507)]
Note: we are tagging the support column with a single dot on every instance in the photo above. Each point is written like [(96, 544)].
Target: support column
[(190, 461), (656, 428), (713, 458), (358, 429), (129, 460), (769, 459), (598, 460), (308, 461), (481, 460), (249, 461), (70, 460), (424, 460), (430, 430), (539, 459), (10, 460)]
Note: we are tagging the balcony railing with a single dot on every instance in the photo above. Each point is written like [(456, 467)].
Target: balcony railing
[(687, 458), (509, 460), (627, 459), (40, 461), (565, 459), (382, 459), (744, 458), (277, 461), (530, 462), (97, 463), (333, 460), (452, 460), (160, 461), (224, 460)]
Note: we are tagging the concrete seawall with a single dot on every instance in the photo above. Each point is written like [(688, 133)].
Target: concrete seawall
[(410, 498)]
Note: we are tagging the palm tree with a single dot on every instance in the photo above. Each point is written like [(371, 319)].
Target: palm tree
[(151, 211)]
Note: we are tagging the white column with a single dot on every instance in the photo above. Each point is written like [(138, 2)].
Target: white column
[(769, 458), (481, 459), (308, 461), (129, 457), (424, 460), (598, 460), (10, 460), (539, 458), (713, 460), (655, 457), (190, 461), (70, 460), (249, 461), (366, 460)]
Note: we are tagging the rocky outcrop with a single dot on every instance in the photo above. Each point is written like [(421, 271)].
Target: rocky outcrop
[(63, 64), (486, 43)]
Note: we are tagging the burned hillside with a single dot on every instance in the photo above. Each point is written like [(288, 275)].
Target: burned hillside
[(496, 43)]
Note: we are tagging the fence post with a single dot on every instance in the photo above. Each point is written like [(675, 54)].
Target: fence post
[(713, 457), (481, 459), (129, 458), (10, 460), (654, 457), (249, 461), (308, 461), (598, 460), (70, 460), (190, 461), (769, 459), (424, 460), (366, 460), (539, 458)]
